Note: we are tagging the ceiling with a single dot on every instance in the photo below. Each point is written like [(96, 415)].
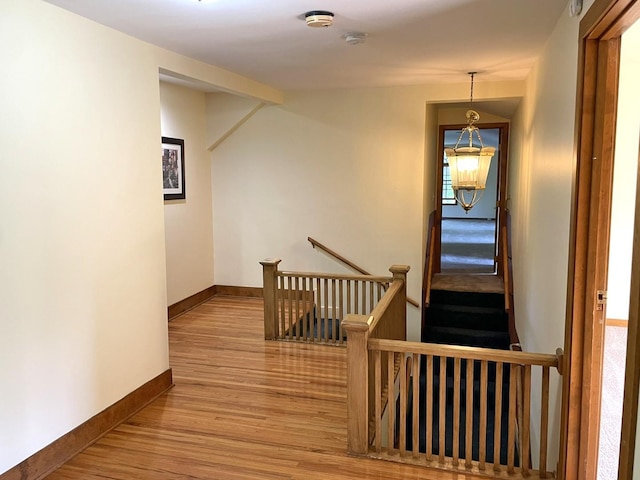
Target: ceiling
[(408, 42)]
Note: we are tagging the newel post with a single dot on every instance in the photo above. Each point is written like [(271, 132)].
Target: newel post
[(400, 273), (357, 330), (269, 291)]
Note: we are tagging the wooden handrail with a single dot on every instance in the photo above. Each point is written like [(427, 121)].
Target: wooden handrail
[(336, 276), (469, 353), (427, 273), (349, 263), (507, 275), (382, 306), (505, 262), (428, 261), (337, 256)]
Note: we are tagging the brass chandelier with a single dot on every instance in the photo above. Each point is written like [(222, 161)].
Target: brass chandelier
[(468, 162)]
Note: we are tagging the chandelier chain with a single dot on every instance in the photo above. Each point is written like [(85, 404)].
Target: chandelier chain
[(471, 97)]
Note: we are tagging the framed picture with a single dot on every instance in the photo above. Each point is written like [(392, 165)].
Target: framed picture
[(173, 168)]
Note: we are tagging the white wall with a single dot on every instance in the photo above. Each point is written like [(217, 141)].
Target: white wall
[(83, 302), (189, 222), (541, 174), (225, 112), (82, 251)]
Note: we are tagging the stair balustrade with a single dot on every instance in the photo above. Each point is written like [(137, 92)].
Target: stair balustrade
[(310, 307), (455, 408)]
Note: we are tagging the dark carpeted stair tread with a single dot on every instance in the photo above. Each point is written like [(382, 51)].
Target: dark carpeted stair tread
[(478, 299), (467, 337), (464, 316)]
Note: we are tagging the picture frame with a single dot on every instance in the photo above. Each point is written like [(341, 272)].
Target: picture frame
[(173, 173)]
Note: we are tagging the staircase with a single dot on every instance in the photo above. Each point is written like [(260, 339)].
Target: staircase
[(470, 319), (474, 320)]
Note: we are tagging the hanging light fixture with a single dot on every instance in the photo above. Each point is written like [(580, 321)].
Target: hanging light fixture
[(468, 162)]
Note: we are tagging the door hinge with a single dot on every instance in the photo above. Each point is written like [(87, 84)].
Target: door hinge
[(601, 299)]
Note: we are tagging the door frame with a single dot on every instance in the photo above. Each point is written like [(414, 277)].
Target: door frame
[(501, 194), (596, 108)]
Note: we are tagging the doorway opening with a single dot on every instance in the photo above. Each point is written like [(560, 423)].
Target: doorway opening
[(469, 237), (468, 242), (625, 169)]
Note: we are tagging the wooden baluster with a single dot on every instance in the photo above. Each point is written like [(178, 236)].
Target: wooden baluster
[(356, 297), (511, 436), (297, 308), (269, 284), (357, 384), (364, 297), (391, 403), (341, 307), (544, 422), (379, 292), (526, 426), (456, 411), (519, 411), (468, 415), (290, 303), (428, 428), (325, 334), (348, 296), (371, 299), (415, 424), (317, 321), (442, 409), (378, 393), (282, 306), (484, 381), (334, 317), (305, 309), (405, 371), (497, 426)]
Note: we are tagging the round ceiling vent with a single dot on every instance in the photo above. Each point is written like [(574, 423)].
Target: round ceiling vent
[(355, 38), (318, 18)]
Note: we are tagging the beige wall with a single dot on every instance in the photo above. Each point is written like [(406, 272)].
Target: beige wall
[(542, 166), (82, 250), (82, 237), (188, 223)]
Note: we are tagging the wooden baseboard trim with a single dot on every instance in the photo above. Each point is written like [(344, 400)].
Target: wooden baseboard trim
[(54, 455), (617, 322), (188, 303), (233, 291)]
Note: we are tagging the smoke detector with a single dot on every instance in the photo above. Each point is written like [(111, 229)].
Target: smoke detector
[(354, 38), (318, 18)]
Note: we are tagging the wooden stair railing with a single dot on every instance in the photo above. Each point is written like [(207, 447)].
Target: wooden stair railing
[(507, 262), (364, 395), (400, 441), (312, 307), (315, 243), (427, 272), (428, 259)]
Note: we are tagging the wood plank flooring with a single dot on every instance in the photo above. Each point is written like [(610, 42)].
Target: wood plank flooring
[(241, 408)]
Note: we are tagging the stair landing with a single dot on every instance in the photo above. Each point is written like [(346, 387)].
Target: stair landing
[(468, 283)]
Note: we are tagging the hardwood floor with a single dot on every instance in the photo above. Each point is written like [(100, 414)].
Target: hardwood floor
[(241, 408)]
